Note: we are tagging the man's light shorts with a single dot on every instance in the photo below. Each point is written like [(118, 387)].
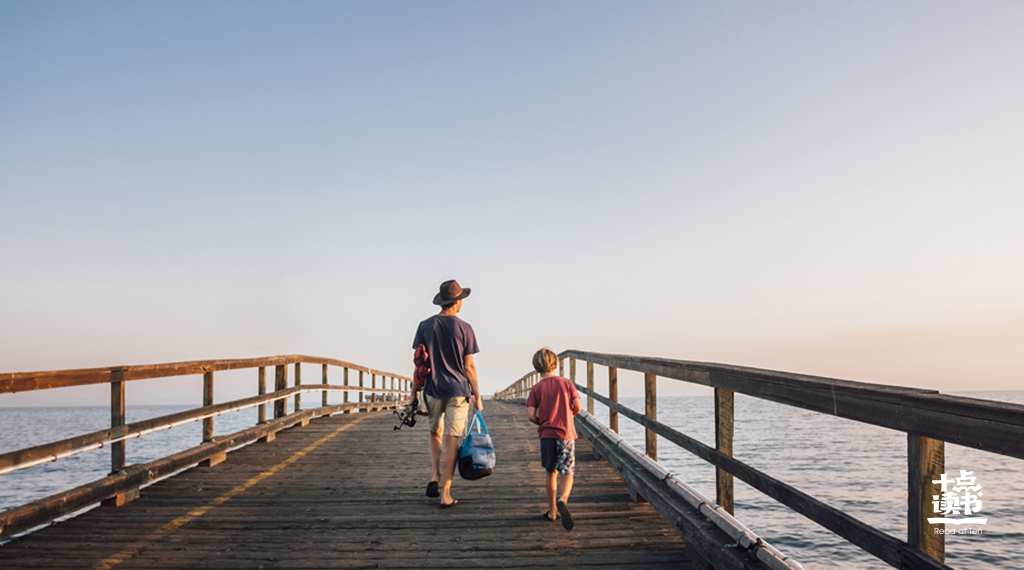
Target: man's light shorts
[(452, 411)]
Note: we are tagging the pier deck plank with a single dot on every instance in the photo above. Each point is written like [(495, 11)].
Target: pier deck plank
[(356, 500)]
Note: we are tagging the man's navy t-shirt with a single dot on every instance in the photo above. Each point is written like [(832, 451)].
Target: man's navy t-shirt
[(448, 341)]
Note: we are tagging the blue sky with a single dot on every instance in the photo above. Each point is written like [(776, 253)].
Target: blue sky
[(831, 188)]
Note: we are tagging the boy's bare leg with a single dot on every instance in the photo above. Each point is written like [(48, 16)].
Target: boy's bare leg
[(451, 443), (552, 491), (435, 456), (565, 482)]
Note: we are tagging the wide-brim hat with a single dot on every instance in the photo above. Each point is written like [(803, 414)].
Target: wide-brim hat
[(450, 292)]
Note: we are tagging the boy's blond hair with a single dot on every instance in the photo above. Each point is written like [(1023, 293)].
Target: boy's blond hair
[(544, 360)]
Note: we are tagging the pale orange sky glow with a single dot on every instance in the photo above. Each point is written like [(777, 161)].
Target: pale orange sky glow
[(825, 188)]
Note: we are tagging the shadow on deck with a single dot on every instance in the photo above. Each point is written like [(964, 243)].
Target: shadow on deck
[(347, 491)]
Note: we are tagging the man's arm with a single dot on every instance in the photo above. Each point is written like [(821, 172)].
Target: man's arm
[(471, 374), (577, 407), (532, 414)]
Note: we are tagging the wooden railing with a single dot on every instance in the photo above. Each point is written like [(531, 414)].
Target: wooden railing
[(124, 481), (928, 418)]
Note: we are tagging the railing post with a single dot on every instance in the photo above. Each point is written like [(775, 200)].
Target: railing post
[(298, 381), (723, 443), (261, 414), (117, 449), (926, 462), (323, 395), (280, 383), (590, 386), (373, 387), (561, 367), (651, 411), (345, 392), (613, 395), (207, 401), (208, 422), (117, 413), (361, 390)]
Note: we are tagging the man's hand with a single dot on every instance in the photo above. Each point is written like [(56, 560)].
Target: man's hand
[(480, 403)]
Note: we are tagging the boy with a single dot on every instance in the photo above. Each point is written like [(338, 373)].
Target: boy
[(552, 403)]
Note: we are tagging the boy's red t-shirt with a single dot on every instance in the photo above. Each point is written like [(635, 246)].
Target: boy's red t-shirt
[(553, 398)]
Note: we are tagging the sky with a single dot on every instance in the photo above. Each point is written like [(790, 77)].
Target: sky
[(830, 188)]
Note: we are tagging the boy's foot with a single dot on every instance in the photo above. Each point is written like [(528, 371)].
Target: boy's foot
[(432, 491), (547, 516), (448, 505), (567, 521)]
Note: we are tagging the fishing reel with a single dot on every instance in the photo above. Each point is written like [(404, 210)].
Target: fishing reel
[(407, 416)]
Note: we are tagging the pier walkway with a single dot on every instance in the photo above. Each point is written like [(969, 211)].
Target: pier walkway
[(347, 491)]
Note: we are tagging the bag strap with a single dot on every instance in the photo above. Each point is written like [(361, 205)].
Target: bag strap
[(478, 419)]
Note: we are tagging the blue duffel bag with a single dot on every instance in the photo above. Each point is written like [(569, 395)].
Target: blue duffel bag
[(476, 454)]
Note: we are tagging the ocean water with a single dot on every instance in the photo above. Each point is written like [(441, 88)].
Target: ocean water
[(26, 427), (858, 468)]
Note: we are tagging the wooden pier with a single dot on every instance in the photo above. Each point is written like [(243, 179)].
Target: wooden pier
[(347, 491)]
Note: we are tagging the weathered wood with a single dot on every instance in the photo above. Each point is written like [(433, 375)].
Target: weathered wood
[(262, 410), (117, 448), (50, 451), (345, 382), (125, 481), (590, 386), (298, 381), (873, 541), (323, 396), (27, 381), (280, 383), (346, 505), (992, 426), (651, 411), (723, 443), (208, 401), (926, 462), (613, 395), (707, 539), (360, 386), (117, 419)]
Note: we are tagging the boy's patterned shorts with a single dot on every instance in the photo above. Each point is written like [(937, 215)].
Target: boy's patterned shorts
[(558, 455)]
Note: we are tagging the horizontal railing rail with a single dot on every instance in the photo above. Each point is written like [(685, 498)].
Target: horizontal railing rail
[(927, 417), (31, 456), (992, 426), (28, 381), (124, 480), (26, 517)]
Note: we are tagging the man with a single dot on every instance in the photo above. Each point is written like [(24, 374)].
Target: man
[(451, 390)]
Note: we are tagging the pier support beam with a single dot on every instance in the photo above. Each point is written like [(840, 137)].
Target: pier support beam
[(207, 401), (345, 393), (117, 408), (117, 449), (613, 395), (590, 386), (926, 461), (723, 443), (651, 411), (323, 395), (261, 410), (280, 383), (298, 381)]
